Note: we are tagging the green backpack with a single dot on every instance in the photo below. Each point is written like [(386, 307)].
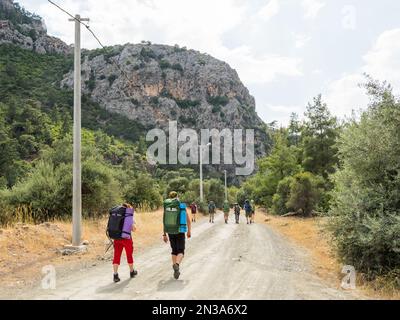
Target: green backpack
[(226, 207), (171, 216)]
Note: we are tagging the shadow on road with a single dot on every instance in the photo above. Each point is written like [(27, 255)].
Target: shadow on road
[(113, 287), (172, 285)]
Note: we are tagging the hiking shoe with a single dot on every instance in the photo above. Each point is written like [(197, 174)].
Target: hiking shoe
[(116, 278), (133, 273), (176, 271)]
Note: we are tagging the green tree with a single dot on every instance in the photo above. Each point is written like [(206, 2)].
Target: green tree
[(143, 192), (319, 138), (282, 195), (281, 163), (304, 193), (294, 130), (366, 198)]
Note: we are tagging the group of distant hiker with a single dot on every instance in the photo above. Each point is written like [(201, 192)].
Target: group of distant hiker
[(177, 223), (249, 209)]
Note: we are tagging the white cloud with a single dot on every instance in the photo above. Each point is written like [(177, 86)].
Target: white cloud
[(345, 95), (258, 70), (270, 10), (199, 25), (301, 40), (382, 62), (280, 113), (312, 8)]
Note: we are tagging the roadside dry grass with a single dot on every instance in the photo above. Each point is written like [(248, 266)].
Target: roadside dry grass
[(310, 234), (26, 248)]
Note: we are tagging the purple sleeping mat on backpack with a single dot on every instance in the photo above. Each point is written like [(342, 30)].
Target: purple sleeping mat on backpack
[(128, 223)]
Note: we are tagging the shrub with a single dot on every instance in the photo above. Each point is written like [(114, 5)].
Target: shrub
[(216, 109), (154, 101), (365, 206), (164, 64), (282, 195), (178, 49), (179, 184), (148, 53), (143, 192), (91, 83), (184, 104), (177, 66), (304, 193), (111, 79), (218, 100), (188, 197), (47, 190)]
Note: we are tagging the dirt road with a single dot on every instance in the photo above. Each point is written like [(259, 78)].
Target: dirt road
[(222, 262)]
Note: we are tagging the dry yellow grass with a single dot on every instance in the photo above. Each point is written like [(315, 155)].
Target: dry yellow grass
[(309, 233), (26, 248)]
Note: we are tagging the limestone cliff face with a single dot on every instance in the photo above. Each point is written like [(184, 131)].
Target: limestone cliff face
[(159, 83), (26, 30)]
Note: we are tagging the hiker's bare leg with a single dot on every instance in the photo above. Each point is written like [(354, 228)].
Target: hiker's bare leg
[(115, 267), (131, 267), (173, 259), (179, 258)]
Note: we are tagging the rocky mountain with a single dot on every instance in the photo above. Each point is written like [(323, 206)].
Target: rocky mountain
[(19, 27), (149, 84), (154, 84)]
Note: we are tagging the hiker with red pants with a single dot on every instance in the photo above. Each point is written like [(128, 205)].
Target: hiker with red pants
[(193, 209), (120, 227)]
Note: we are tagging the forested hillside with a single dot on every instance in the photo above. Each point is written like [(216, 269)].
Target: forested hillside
[(36, 142)]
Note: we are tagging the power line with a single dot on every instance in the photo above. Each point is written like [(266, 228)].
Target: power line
[(130, 84)]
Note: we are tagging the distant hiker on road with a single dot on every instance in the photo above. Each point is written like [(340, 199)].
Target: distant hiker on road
[(253, 211), (176, 222), (120, 225), (248, 210), (193, 209), (236, 210), (226, 209), (211, 210)]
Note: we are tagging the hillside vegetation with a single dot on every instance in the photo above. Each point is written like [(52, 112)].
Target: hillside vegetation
[(349, 172)]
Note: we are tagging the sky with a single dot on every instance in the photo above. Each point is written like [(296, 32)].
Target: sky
[(285, 51)]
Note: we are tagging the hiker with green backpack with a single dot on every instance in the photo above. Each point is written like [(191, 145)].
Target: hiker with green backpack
[(177, 223), (226, 209), (211, 210)]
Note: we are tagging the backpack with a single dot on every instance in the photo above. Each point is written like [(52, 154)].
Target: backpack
[(193, 208), (237, 210), (120, 222), (211, 207), (226, 207), (247, 207), (171, 217)]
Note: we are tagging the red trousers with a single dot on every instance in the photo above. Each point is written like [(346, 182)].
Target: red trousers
[(119, 245)]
